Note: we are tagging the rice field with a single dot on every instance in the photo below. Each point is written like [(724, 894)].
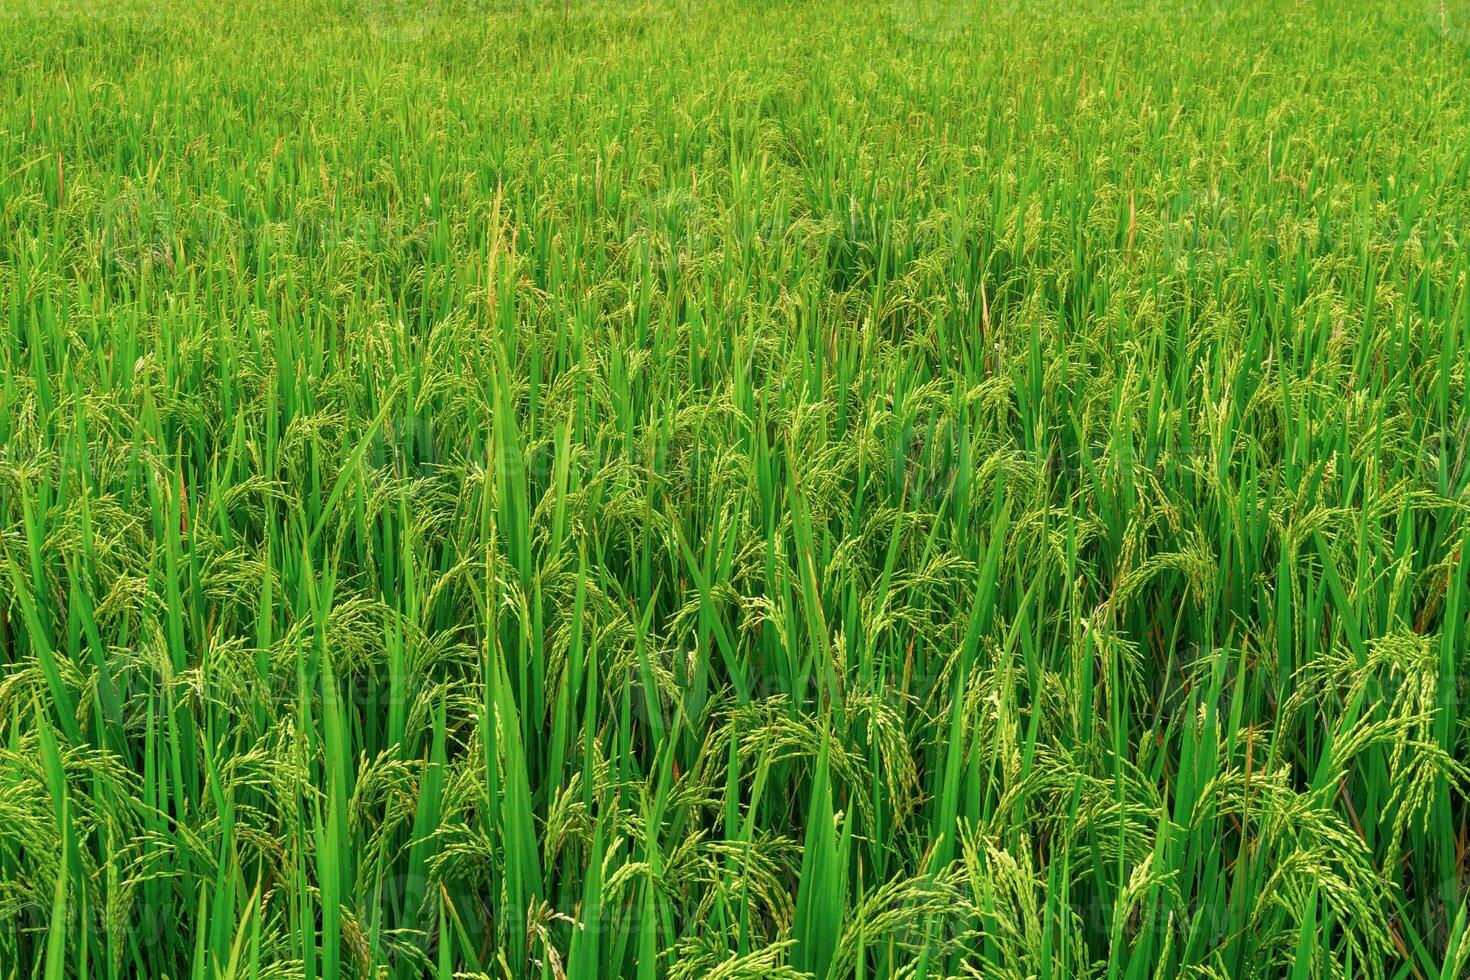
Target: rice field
[(773, 489)]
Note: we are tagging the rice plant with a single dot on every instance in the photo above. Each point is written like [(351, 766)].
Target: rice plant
[(566, 489)]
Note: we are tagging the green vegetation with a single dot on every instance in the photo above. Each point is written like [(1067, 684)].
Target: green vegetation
[(759, 489)]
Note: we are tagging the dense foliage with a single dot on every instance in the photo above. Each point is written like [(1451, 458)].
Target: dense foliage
[(734, 489)]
